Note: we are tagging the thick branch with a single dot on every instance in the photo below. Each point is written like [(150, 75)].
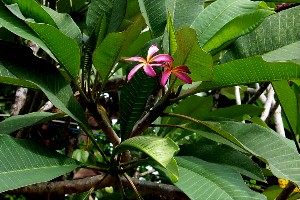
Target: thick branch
[(83, 185)]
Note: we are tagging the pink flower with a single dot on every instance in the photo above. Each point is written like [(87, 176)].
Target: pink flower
[(179, 71), (148, 64)]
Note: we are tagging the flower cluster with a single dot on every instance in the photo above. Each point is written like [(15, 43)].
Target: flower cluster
[(162, 60)]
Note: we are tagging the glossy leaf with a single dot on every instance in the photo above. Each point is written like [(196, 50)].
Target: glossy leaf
[(96, 9), (20, 28), (31, 9), (134, 96), (278, 152), (155, 14), (276, 32), (14, 123), (184, 12), (189, 53), (250, 70), (22, 160), (219, 14), (65, 24), (65, 49), (237, 27), (20, 61), (159, 149), (117, 15), (212, 181), (113, 46), (7, 77)]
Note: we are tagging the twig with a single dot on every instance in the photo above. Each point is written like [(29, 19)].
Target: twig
[(237, 95), (83, 185), (286, 191), (258, 93), (268, 103), (19, 101)]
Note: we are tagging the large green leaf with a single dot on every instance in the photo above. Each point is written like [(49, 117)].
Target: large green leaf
[(31, 9), (276, 32), (24, 163), (14, 123), (7, 77), (134, 96), (155, 14), (65, 49), (65, 24), (189, 53), (203, 180), (20, 61), (96, 9), (184, 12), (217, 19), (279, 153), (224, 155), (117, 15), (159, 149), (113, 46), (20, 28), (250, 70)]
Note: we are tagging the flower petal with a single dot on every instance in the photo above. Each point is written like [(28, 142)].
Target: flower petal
[(136, 58), (149, 70), (182, 68), (165, 76), (133, 71), (183, 77), (152, 50), (162, 58)]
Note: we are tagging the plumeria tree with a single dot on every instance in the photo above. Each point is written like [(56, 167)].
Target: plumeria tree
[(150, 99)]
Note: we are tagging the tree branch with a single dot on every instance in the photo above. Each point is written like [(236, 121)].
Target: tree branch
[(83, 185)]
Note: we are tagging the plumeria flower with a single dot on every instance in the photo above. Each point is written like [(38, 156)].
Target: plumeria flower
[(180, 71), (148, 64)]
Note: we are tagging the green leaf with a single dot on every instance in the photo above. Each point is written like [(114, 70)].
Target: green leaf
[(20, 61), (155, 14), (278, 152), (184, 12), (277, 31), (134, 96), (288, 101), (237, 27), (203, 180), (65, 49), (193, 106), (31, 9), (250, 70), (14, 123), (117, 15), (113, 46), (218, 15), (189, 53), (236, 112), (65, 24), (224, 155), (96, 9), (159, 149), (20, 28), (24, 163), (7, 77), (169, 42)]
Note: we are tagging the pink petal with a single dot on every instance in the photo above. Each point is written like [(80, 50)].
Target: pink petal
[(183, 77), (182, 68), (149, 70), (165, 76), (162, 58), (133, 71), (152, 50), (136, 58)]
